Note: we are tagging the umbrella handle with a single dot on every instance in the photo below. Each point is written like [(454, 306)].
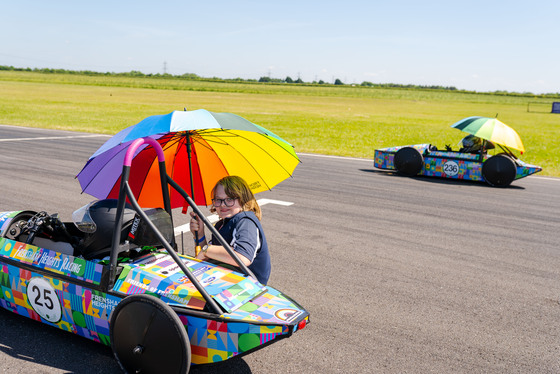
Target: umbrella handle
[(197, 247)]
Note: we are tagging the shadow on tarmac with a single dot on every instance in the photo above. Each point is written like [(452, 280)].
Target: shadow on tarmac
[(23, 339)]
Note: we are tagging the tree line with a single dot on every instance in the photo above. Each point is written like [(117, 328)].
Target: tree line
[(265, 79), (191, 76)]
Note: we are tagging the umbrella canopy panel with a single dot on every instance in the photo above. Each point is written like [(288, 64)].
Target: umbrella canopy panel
[(491, 129), (262, 160), (181, 121)]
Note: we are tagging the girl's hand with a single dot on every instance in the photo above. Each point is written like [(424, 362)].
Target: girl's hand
[(202, 256), (196, 225)]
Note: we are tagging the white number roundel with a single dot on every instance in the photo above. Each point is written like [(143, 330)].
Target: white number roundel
[(450, 168), (42, 297)]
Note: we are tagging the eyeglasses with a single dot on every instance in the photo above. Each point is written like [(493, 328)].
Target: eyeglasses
[(228, 201)]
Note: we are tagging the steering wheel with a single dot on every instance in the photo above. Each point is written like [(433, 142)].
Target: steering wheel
[(35, 226)]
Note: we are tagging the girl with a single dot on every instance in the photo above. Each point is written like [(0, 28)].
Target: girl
[(239, 224)]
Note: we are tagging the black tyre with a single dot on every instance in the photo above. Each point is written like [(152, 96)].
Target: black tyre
[(148, 337), (408, 161), (499, 171)]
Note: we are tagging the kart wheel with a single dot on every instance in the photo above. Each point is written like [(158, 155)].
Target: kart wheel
[(499, 170), (408, 161), (148, 337)]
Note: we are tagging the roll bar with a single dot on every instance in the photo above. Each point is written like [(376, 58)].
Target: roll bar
[(126, 192)]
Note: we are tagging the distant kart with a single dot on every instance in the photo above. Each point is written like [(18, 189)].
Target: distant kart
[(425, 159), (120, 282), (471, 162)]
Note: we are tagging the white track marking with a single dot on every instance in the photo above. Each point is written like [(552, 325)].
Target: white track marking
[(213, 218), (336, 157), (277, 202), (53, 137)]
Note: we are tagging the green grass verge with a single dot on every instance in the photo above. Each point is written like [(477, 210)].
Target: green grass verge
[(346, 121)]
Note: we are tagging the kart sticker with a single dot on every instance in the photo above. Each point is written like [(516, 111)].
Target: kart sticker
[(160, 275), (6, 220), (42, 297), (450, 168), (50, 260), (287, 314)]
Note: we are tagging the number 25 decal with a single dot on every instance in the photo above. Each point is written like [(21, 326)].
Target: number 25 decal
[(42, 297)]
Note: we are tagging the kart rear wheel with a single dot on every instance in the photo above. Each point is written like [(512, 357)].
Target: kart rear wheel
[(408, 161), (147, 336), (499, 170)]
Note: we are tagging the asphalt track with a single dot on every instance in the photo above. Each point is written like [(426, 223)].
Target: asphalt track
[(400, 275)]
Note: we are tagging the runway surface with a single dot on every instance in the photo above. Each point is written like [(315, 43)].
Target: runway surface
[(400, 275)]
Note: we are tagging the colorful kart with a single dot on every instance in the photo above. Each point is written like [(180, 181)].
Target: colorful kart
[(425, 159), (122, 283)]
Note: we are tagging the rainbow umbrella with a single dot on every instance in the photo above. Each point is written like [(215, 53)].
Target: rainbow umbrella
[(200, 148), (491, 129)]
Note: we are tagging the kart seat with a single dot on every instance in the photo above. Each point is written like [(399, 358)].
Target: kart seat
[(135, 230), (142, 235)]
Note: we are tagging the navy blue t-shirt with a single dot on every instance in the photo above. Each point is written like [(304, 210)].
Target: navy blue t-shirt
[(245, 235)]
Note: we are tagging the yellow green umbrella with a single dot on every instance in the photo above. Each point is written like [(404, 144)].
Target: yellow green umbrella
[(491, 129)]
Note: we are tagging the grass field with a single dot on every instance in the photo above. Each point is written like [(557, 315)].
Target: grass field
[(336, 120)]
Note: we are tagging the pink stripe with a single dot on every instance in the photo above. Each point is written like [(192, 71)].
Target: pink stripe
[(137, 143)]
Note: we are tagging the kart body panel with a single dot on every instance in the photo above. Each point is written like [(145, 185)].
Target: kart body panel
[(449, 164), (257, 315)]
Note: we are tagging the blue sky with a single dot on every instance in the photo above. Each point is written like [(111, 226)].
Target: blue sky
[(475, 45)]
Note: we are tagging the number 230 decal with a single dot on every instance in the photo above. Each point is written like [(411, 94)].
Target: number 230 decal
[(42, 297)]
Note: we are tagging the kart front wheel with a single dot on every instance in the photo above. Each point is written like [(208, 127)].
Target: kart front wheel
[(499, 170), (408, 161), (147, 336)]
